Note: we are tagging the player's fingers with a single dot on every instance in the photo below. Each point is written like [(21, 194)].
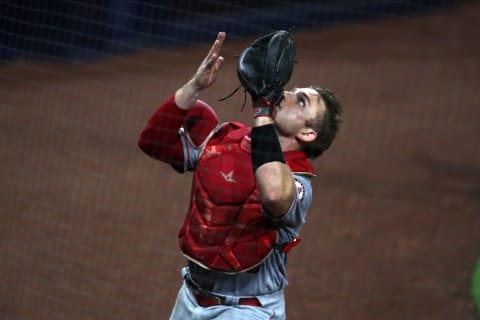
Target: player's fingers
[(219, 63), (217, 45), (220, 38), (213, 60)]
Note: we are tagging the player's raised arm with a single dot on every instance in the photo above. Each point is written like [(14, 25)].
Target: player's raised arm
[(263, 69), (159, 138)]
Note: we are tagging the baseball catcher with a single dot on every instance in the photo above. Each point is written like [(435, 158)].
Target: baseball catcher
[(251, 186)]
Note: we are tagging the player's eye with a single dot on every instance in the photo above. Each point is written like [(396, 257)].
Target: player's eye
[(301, 101)]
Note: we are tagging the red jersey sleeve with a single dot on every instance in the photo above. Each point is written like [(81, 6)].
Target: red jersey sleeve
[(159, 138)]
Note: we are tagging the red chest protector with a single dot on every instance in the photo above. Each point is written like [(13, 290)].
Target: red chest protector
[(225, 229)]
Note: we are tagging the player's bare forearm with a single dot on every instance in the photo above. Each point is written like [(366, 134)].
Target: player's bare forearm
[(186, 96), (276, 187)]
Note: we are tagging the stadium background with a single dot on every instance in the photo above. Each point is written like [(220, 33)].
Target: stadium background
[(88, 223)]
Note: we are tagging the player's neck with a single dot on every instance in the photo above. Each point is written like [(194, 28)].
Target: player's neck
[(288, 143)]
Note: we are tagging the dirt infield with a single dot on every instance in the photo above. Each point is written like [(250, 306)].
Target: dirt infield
[(89, 223)]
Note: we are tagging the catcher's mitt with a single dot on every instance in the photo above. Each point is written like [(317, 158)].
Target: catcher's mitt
[(266, 66)]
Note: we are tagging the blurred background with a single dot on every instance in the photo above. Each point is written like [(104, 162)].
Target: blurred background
[(88, 224)]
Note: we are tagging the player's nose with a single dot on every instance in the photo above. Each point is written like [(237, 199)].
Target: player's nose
[(287, 96)]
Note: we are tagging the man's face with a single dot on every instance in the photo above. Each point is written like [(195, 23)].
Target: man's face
[(299, 106)]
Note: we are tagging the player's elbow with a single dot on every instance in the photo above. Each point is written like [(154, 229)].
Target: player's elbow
[(277, 201), (145, 145), (273, 196), (277, 206), (276, 186)]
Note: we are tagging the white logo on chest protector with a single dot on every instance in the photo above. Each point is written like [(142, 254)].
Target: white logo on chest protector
[(228, 176)]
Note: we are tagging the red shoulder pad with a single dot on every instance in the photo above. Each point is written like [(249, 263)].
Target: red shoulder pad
[(200, 121)]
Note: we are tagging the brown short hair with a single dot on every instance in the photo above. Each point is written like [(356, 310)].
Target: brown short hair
[(326, 126)]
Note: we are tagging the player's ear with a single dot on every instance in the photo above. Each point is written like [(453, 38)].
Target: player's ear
[(306, 134)]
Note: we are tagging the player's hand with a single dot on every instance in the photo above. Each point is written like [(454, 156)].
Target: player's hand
[(208, 71), (265, 67), (204, 77)]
